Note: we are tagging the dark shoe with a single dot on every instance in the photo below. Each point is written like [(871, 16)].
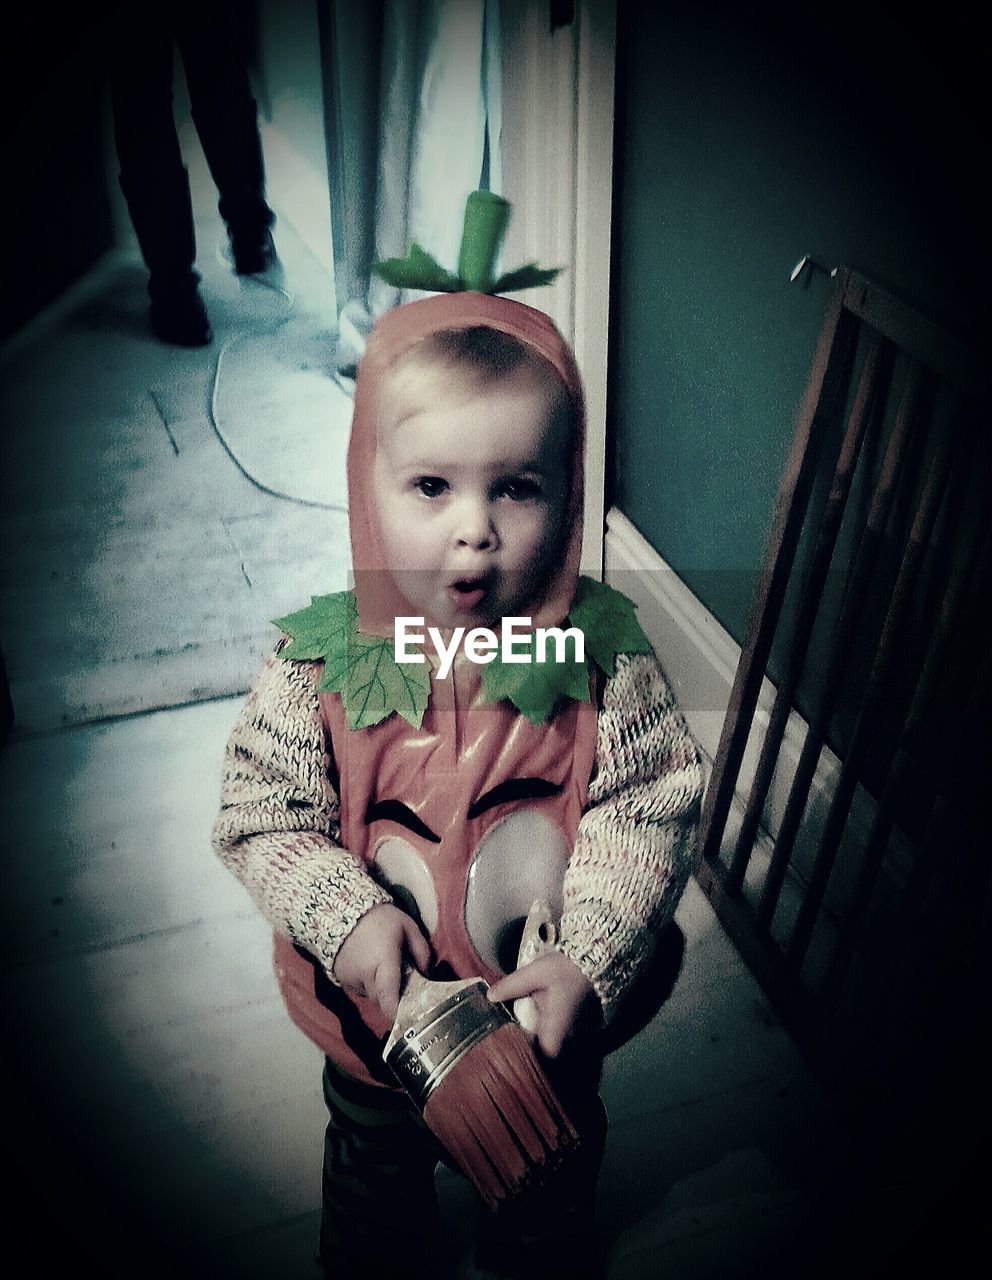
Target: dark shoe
[(180, 318), (253, 253)]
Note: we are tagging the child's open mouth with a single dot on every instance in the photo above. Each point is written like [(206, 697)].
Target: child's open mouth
[(467, 594)]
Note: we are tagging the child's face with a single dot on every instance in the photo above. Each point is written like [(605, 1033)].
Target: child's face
[(471, 493)]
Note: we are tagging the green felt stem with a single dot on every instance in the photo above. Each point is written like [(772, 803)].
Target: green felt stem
[(486, 218)]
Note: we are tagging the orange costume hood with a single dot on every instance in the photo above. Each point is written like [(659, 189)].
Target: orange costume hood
[(379, 602)]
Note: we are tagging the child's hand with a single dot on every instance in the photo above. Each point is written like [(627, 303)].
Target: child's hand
[(563, 997), (370, 961)]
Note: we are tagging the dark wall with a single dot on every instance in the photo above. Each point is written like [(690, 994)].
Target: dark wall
[(56, 214), (747, 137)]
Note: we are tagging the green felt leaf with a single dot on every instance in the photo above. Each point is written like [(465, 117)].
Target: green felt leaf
[(362, 669), (535, 688), (418, 270), (608, 620), (373, 684), (529, 277), (322, 628)]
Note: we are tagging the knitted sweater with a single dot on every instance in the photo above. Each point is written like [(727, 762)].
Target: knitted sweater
[(278, 830)]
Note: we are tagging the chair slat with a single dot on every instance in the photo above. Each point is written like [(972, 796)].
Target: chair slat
[(822, 403), (909, 413), (926, 515), (968, 570), (866, 402)]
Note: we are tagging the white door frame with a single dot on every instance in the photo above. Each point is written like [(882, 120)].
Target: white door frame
[(557, 157)]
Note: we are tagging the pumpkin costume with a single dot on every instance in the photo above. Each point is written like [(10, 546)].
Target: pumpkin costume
[(350, 782)]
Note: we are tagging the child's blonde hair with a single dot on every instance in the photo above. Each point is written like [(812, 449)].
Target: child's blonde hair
[(474, 359)]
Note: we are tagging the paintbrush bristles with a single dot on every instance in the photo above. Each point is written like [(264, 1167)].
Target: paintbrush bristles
[(468, 1066), (498, 1116)]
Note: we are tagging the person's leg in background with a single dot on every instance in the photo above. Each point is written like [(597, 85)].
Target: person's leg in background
[(153, 177), (211, 43)]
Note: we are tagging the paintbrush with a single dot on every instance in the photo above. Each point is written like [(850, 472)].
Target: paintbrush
[(471, 1070)]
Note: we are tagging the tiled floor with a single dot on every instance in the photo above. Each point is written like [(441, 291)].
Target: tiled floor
[(163, 1107)]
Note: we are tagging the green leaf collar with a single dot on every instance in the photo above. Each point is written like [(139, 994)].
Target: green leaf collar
[(373, 685)]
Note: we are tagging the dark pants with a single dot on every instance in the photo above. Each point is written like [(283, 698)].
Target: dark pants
[(152, 174), (380, 1213)]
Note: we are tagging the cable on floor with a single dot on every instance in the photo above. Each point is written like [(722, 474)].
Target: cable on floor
[(256, 282)]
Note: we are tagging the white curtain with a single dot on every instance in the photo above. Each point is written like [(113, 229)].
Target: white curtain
[(428, 72)]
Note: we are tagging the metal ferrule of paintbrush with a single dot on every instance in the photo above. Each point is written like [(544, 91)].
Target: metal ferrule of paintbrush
[(436, 1024)]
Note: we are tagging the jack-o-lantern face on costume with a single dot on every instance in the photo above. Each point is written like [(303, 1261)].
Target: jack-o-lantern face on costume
[(472, 816), (468, 819)]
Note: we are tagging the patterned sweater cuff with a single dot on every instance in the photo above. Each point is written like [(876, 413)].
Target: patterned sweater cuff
[(337, 900), (608, 952)]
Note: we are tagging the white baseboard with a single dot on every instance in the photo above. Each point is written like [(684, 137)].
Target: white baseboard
[(700, 658)]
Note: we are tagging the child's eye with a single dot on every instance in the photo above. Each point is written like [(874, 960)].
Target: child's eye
[(431, 486), (520, 489)]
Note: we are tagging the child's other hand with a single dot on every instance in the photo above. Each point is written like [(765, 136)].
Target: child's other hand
[(563, 997), (370, 961)]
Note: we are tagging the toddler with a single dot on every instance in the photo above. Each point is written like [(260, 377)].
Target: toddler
[(382, 816)]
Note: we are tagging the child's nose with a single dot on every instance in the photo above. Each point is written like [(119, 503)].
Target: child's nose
[(474, 527)]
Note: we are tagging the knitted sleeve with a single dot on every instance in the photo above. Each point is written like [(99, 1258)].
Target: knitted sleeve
[(278, 828), (636, 844)]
